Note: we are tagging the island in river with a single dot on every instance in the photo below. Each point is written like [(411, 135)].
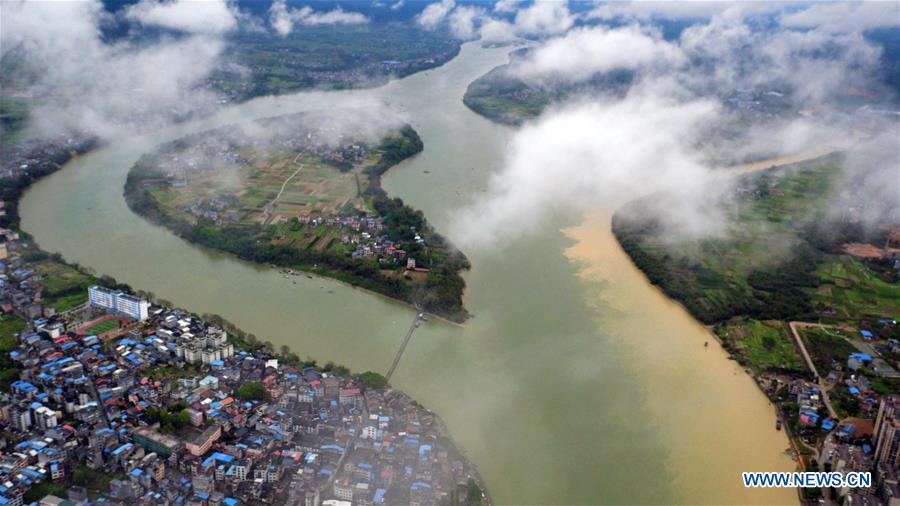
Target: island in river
[(503, 96), (305, 195), (632, 393)]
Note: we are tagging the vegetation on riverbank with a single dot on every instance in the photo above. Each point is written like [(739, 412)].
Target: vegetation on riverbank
[(501, 95), (13, 117), (762, 346), (290, 208), (329, 57), (504, 98), (781, 258)]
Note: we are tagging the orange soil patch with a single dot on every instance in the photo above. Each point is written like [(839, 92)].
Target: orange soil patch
[(867, 250)]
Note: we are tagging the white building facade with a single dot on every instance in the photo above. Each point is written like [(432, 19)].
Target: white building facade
[(117, 301)]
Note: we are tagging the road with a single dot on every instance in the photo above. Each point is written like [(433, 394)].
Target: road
[(270, 207), (412, 328), (809, 363)]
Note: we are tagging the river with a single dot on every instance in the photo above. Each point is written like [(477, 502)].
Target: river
[(575, 381)]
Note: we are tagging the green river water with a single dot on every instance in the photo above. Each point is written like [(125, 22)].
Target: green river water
[(575, 381)]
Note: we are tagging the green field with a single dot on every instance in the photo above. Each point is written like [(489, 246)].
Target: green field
[(826, 346), (502, 97), (304, 184), (65, 287), (10, 325), (103, 327), (854, 290), (235, 203), (762, 346), (779, 258), (349, 56)]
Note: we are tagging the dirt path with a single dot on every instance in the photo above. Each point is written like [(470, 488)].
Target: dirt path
[(809, 362), (269, 208)]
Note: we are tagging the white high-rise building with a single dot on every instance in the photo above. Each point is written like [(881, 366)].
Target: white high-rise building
[(887, 432), (119, 302), (102, 297), (207, 348), (45, 418)]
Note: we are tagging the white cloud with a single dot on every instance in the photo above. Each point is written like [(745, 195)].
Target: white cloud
[(584, 155), (280, 18), (397, 5), (674, 9), (544, 18), (729, 55), (192, 16), (283, 18), (494, 30), (336, 16), (719, 56), (836, 16), (104, 87), (507, 5), (584, 52), (539, 19), (666, 133), (463, 21), (845, 16), (433, 14)]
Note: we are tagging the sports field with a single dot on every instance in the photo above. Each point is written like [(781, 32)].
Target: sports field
[(103, 327)]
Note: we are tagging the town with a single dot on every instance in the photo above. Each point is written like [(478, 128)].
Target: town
[(848, 420), (449, 253), (107, 398), (164, 408)]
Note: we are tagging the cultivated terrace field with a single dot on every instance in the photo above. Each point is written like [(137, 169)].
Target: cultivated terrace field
[(785, 256), (305, 197)]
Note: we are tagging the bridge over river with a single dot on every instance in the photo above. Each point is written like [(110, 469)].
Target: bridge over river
[(575, 381)]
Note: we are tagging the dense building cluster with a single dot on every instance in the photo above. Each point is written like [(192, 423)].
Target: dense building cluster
[(41, 156), (847, 420), (20, 287), (171, 413)]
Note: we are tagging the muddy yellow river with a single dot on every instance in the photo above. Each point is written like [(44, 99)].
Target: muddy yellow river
[(575, 382)]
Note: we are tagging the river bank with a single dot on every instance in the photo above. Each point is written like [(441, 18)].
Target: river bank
[(556, 396), (755, 327), (26, 257), (339, 224)]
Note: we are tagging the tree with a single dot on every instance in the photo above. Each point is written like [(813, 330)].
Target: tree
[(473, 493), (253, 391), (373, 379)]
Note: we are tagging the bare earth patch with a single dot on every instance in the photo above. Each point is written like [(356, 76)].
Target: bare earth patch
[(867, 250)]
